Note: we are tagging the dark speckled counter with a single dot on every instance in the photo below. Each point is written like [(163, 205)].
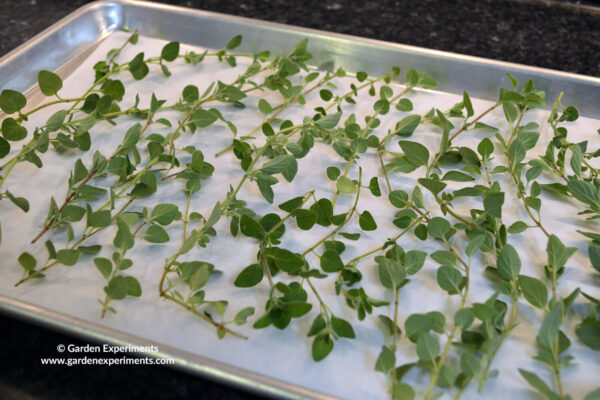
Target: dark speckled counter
[(550, 34)]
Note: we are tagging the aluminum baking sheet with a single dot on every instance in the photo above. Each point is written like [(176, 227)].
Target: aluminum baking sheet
[(270, 361)]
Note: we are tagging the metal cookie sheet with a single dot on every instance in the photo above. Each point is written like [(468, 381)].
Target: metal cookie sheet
[(87, 27)]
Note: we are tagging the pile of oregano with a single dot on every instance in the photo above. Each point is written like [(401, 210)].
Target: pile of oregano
[(454, 351)]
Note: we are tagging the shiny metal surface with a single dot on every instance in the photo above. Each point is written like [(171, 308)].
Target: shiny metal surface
[(76, 35)]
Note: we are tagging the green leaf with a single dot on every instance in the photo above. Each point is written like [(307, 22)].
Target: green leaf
[(132, 136), (518, 227), (117, 288), (331, 261), (4, 147), (386, 360), (56, 120), (156, 234), (594, 254), (285, 260), (165, 213), (264, 107), (485, 148), (250, 276), (434, 186), (317, 326), (329, 121), (382, 106), (444, 257), (12, 131), (475, 244), (292, 204), (374, 187), (366, 221), (49, 83), (576, 160), (534, 291), (345, 185), (242, 316), (333, 173), (11, 101), (589, 333), (558, 253), (112, 88), (234, 42), (402, 391), (104, 265), (321, 347), (324, 210), (464, 318), (428, 347), (305, 219), (407, 125), (415, 152), (67, 257), (593, 395), (398, 198), (20, 202), (538, 384), (404, 105), (509, 263), (284, 164), (170, 51), (27, 261), (138, 68), (510, 111), (516, 153), (342, 327), (457, 176), (72, 213), (416, 324), (350, 236), (468, 105), (251, 227), (391, 272), (450, 279), (203, 118), (133, 287), (492, 203), (325, 94), (438, 227), (414, 261), (583, 191), (123, 239), (548, 332), (190, 93)]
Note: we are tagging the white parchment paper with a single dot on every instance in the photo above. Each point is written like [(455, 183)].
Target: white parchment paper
[(348, 372)]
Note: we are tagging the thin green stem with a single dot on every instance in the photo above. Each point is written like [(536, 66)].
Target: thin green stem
[(440, 362), (348, 217), (83, 238), (467, 125)]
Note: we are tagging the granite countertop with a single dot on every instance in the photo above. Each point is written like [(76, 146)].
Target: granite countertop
[(550, 34)]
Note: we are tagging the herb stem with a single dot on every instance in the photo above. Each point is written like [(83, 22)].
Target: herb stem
[(112, 275), (380, 248), (505, 333), (265, 264), (307, 197), (186, 218), (337, 229), (279, 109), (467, 125), (83, 238), (438, 365)]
